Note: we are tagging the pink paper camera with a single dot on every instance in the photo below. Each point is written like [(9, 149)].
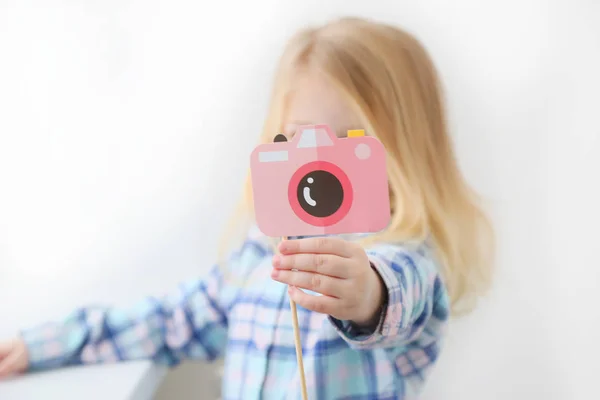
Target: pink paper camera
[(318, 184)]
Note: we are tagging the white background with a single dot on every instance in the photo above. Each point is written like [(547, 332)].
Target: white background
[(125, 128)]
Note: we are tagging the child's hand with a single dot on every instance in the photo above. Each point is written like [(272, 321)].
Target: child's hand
[(339, 270), (13, 357)]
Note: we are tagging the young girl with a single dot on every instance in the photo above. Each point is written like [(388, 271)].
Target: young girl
[(371, 308)]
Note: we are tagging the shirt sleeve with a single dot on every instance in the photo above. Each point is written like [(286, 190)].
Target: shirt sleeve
[(190, 323), (416, 299)]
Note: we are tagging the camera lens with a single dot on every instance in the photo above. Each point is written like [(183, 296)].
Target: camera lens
[(320, 193)]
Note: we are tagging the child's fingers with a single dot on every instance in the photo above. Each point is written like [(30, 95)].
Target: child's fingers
[(325, 264), (320, 304), (322, 245), (323, 284), (8, 365), (5, 348), (13, 358), (4, 368)]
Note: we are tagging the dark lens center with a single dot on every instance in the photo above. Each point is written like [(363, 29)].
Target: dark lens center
[(320, 194)]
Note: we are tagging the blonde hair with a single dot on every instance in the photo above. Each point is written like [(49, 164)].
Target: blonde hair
[(391, 82)]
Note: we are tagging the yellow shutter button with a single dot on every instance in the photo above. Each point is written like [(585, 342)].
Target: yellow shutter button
[(356, 133)]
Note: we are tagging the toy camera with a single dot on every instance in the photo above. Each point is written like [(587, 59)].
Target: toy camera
[(319, 184)]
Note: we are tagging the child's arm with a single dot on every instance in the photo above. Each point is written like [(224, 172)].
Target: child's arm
[(191, 323), (416, 298), (385, 296)]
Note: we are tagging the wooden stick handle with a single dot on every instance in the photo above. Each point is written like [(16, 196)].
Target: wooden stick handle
[(298, 347)]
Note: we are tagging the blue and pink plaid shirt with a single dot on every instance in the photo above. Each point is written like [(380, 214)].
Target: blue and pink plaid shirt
[(238, 312)]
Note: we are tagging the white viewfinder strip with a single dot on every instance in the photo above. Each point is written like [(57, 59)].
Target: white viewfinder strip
[(272, 156)]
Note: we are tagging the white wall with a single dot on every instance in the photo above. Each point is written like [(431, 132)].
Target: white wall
[(115, 118)]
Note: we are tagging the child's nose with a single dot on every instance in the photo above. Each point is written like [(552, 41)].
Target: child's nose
[(289, 130)]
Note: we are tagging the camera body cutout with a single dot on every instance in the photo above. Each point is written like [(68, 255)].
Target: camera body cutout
[(319, 184)]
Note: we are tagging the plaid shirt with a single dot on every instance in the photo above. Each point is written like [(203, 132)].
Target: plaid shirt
[(240, 313)]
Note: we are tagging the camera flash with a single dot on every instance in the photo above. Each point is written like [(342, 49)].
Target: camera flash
[(356, 133)]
